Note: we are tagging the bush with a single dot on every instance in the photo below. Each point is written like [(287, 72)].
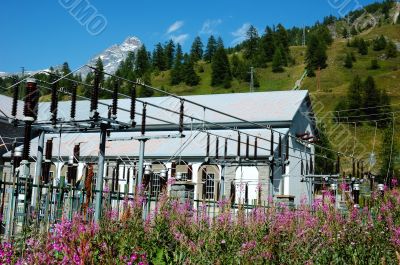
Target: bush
[(374, 64), (175, 233)]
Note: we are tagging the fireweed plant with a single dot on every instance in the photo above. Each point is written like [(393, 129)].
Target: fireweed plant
[(176, 233)]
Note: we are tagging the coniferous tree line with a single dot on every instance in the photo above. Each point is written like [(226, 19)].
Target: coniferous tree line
[(364, 102)]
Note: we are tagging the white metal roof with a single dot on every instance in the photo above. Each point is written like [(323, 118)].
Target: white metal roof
[(6, 106), (193, 145), (255, 107)]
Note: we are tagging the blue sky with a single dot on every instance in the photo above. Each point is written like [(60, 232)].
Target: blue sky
[(37, 34)]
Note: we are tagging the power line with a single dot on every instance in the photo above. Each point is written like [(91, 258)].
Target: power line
[(372, 107), (225, 127), (212, 109), (365, 115), (204, 107)]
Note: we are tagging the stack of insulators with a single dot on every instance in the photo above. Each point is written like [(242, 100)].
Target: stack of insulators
[(208, 146), (238, 145), (30, 113), (217, 148), (15, 99), (133, 106), (73, 101), (247, 146), (47, 161), (115, 99), (54, 103), (95, 96), (31, 100), (255, 148), (143, 129), (181, 115)]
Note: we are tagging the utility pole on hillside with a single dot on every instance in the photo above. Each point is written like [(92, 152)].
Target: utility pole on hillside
[(252, 79)]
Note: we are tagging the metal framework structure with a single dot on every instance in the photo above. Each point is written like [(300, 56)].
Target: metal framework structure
[(105, 126)]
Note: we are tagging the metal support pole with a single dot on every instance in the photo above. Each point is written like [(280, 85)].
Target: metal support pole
[(222, 192), (38, 173), (100, 173), (310, 192), (141, 161)]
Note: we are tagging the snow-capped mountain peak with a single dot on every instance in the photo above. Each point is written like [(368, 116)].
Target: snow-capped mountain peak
[(114, 55)]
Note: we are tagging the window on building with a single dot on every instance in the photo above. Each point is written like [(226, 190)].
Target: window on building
[(155, 184), (209, 186)]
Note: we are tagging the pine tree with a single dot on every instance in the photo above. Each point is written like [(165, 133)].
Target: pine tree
[(100, 68), (84, 90), (316, 55), (282, 39), (251, 44), (159, 58), (354, 94), (169, 51), (374, 64), (324, 34), (210, 49), (345, 33), (362, 47), (145, 91), (238, 68), (196, 52), (348, 62), (177, 70), (142, 64), (379, 43), (189, 74), (324, 158), (267, 44), (353, 31), (221, 72), (64, 71), (371, 98), (277, 62), (391, 50)]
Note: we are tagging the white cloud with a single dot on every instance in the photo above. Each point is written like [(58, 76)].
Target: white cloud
[(174, 27), (180, 38), (240, 33), (209, 26)]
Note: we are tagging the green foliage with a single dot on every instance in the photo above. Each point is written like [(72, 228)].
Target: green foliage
[(169, 51), (189, 75), (277, 62), (221, 72), (364, 102), (196, 52), (316, 56), (362, 47), (145, 91), (210, 49), (177, 70), (324, 159), (345, 33), (142, 62), (391, 50), (348, 61), (374, 64), (389, 152), (159, 58), (353, 96), (251, 45), (379, 43)]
